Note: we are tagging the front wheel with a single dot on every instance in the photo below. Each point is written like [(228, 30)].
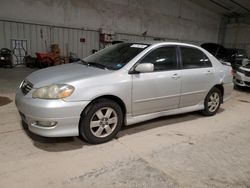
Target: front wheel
[(212, 102), (101, 121)]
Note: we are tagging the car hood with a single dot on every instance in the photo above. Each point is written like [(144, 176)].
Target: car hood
[(63, 74), (244, 68)]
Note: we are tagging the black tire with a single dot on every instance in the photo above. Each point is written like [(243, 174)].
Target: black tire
[(210, 111), (90, 113), (236, 87)]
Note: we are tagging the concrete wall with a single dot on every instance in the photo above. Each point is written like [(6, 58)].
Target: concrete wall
[(237, 35), (171, 19)]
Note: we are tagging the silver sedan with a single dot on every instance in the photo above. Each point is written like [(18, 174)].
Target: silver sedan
[(124, 84)]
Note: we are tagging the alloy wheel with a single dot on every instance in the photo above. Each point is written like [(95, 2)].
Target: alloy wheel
[(103, 122), (213, 102)]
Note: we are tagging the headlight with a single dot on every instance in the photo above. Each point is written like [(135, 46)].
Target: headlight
[(55, 91)]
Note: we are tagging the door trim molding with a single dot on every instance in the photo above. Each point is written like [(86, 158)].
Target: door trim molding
[(157, 98)]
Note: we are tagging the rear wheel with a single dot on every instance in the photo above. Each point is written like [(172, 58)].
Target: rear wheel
[(101, 121), (212, 102)]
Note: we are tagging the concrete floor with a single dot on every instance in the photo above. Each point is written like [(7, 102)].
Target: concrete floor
[(187, 150)]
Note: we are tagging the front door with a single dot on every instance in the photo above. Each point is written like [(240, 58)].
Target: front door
[(158, 90)]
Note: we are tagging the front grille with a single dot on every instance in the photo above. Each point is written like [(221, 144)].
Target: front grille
[(26, 87), (247, 83), (246, 73)]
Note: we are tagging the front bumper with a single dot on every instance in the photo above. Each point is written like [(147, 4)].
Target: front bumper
[(241, 80), (65, 114)]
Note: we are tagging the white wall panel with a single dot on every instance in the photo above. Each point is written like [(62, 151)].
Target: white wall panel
[(40, 37), (33, 40), (2, 34), (238, 36), (172, 19), (27, 36), (129, 37)]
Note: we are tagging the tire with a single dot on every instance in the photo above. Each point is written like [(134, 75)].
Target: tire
[(101, 121), (237, 87), (212, 102)]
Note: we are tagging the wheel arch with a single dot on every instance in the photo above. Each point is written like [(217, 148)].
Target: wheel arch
[(114, 98), (221, 88)]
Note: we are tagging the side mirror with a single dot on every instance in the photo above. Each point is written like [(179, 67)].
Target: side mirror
[(144, 67)]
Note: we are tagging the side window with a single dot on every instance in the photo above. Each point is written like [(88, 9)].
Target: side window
[(163, 58), (194, 58)]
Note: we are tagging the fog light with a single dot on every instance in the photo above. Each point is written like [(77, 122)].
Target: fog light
[(46, 123)]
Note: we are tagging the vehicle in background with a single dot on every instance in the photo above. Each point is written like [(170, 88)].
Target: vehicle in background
[(237, 54), (6, 59), (123, 84), (228, 56), (219, 51), (241, 75), (237, 57)]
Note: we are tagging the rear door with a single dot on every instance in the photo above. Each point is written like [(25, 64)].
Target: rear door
[(158, 90), (197, 76)]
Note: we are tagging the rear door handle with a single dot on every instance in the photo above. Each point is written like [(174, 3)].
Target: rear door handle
[(175, 76)]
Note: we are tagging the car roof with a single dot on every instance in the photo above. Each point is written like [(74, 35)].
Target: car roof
[(163, 43)]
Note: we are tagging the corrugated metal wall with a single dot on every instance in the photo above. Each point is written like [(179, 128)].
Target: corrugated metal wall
[(40, 37), (131, 37), (237, 36)]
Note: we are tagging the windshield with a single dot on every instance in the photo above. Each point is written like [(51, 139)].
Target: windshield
[(116, 56), (241, 53)]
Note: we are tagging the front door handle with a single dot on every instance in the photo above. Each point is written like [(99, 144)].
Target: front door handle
[(175, 76), (209, 72)]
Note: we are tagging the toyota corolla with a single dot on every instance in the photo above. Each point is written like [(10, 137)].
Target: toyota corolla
[(124, 84)]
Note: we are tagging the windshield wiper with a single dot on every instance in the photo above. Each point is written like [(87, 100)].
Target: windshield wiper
[(84, 62), (97, 65), (94, 64)]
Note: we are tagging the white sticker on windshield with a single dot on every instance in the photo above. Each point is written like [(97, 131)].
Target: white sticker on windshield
[(138, 46)]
